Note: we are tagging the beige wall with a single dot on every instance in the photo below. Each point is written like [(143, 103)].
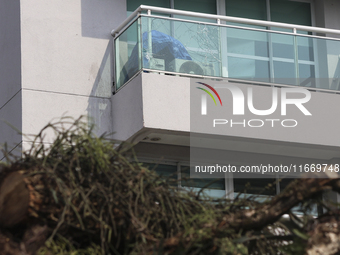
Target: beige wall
[(67, 60)]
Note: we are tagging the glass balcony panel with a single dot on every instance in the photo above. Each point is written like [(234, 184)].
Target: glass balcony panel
[(248, 54), (246, 42), (283, 46), (305, 48), (182, 47), (325, 60), (284, 72), (198, 19), (289, 30), (248, 69), (333, 63), (127, 55), (307, 75), (198, 48)]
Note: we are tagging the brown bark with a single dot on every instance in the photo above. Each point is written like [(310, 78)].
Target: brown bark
[(34, 237), (17, 199), (324, 234), (264, 214), (14, 200)]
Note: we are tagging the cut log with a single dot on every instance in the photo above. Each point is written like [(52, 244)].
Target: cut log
[(34, 237), (14, 200)]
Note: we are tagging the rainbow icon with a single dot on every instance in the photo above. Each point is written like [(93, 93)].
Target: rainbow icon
[(209, 93)]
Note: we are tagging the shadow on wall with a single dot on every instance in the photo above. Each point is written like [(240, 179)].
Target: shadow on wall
[(10, 76), (99, 103), (98, 18)]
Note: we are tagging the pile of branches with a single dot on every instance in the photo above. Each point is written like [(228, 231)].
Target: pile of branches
[(81, 195)]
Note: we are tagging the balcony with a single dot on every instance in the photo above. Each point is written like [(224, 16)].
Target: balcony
[(202, 45), (158, 51)]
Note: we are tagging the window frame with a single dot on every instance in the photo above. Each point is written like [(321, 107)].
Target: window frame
[(221, 8), (228, 177)]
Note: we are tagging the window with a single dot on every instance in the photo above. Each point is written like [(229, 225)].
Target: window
[(293, 12), (270, 57), (262, 188), (179, 175), (165, 171), (251, 9), (204, 6), (213, 187)]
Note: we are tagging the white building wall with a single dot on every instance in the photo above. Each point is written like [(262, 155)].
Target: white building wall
[(67, 60), (57, 58), (331, 13)]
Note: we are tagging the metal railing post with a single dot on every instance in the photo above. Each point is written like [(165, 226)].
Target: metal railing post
[(114, 78), (139, 41), (296, 57), (149, 53)]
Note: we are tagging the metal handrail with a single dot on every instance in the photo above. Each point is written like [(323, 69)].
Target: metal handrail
[(222, 18)]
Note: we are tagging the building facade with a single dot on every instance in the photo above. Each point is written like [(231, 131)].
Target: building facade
[(60, 58)]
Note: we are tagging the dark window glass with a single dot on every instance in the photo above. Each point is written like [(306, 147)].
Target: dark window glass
[(133, 4), (199, 182), (254, 185), (203, 6), (291, 12), (251, 9), (167, 172)]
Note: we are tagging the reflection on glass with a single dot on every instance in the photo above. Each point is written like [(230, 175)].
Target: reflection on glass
[(184, 47), (213, 187), (306, 75), (247, 42), (248, 69), (305, 48), (283, 46), (127, 55), (284, 72)]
